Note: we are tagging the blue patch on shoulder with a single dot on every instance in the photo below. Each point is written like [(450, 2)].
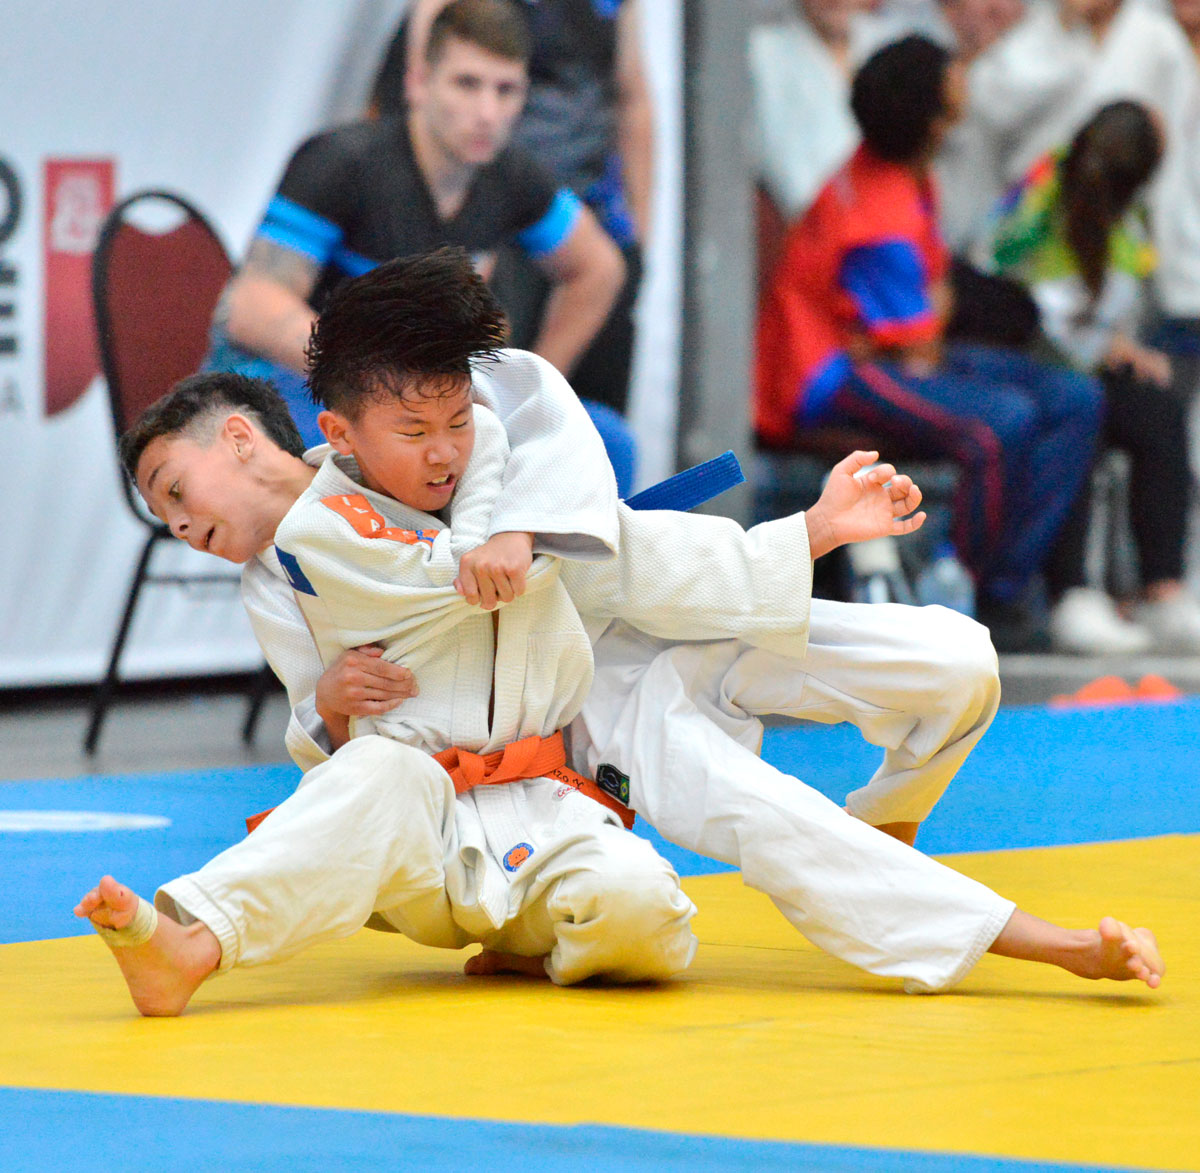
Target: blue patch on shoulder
[(295, 575)]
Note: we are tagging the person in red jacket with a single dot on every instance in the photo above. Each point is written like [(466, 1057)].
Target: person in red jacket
[(851, 333)]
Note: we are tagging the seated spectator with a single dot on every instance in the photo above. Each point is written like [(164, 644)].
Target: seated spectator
[(800, 70), (589, 120), (443, 173), (1177, 225), (851, 333), (966, 165), (1033, 89), (1074, 233)]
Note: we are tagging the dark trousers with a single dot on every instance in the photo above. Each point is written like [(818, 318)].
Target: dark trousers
[(1150, 424), (1022, 432)]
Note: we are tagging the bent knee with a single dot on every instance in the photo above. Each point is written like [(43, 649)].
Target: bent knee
[(637, 893), (378, 764), (962, 659)]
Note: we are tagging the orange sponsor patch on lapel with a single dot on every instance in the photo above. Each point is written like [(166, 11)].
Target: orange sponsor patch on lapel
[(368, 522)]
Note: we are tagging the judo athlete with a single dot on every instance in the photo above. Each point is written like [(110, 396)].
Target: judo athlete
[(865, 896)]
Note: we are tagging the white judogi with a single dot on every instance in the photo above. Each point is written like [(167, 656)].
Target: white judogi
[(681, 723), (531, 866)]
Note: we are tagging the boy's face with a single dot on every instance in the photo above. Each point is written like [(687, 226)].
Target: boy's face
[(207, 493), (414, 449)]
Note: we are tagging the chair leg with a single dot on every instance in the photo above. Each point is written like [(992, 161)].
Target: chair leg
[(262, 685), (102, 696)]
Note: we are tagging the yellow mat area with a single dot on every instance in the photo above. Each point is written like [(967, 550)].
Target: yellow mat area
[(765, 1037)]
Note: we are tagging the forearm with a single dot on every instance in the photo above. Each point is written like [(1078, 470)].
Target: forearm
[(576, 310), (268, 319), (635, 119), (635, 141)]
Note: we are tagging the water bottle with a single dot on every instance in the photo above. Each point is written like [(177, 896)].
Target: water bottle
[(947, 581), (877, 574)]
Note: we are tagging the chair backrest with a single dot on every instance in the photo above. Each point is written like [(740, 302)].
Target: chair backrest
[(157, 273)]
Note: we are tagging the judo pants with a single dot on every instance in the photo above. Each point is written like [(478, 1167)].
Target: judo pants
[(374, 833), (681, 721)]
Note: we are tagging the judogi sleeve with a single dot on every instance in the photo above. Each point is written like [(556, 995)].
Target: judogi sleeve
[(287, 644), (683, 576), (558, 483)]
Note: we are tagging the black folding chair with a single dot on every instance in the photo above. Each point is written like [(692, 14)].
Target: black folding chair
[(157, 272)]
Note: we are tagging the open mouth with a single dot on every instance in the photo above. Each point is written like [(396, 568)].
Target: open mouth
[(443, 482), (208, 536)]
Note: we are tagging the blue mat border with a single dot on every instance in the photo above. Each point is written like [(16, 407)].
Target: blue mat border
[(91, 1132)]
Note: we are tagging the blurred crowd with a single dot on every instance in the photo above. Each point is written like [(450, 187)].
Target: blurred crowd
[(988, 254), (979, 246)]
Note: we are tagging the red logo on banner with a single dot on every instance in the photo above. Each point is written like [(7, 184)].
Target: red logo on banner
[(78, 194)]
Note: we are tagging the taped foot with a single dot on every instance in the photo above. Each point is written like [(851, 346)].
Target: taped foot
[(163, 962)]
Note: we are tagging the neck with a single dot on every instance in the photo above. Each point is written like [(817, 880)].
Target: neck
[(446, 178), (282, 480)]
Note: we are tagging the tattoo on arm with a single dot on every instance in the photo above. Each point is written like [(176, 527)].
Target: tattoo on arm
[(290, 269)]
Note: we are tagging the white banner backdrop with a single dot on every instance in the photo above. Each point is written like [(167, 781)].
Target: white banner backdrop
[(208, 99)]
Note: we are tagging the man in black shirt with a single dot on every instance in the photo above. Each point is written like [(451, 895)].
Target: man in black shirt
[(364, 193)]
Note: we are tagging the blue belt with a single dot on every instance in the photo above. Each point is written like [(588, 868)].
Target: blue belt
[(692, 487)]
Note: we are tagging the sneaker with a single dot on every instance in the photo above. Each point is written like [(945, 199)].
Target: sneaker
[(1086, 622), (1174, 623)]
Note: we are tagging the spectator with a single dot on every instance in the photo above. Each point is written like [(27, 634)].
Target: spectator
[(966, 165), (851, 333), (589, 119), (800, 70), (1037, 86), (1073, 232), (1177, 226), (441, 174)]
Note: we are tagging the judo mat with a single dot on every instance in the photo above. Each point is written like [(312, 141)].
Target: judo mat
[(374, 1053)]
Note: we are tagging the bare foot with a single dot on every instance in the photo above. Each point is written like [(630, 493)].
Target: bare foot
[(163, 973), (1124, 954), (492, 961), (1113, 951)]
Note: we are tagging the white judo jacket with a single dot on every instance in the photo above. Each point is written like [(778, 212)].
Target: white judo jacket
[(675, 576)]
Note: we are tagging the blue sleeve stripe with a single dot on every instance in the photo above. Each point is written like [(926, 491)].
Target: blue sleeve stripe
[(355, 264), (554, 227), (887, 282), (288, 224)]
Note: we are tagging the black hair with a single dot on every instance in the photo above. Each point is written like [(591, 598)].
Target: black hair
[(897, 95), (1111, 156), (494, 25), (194, 405), (410, 326)]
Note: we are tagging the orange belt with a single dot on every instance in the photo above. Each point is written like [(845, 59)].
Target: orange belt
[(531, 757)]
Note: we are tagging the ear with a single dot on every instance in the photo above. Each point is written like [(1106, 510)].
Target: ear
[(336, 429), (240, 434), (416, 81)]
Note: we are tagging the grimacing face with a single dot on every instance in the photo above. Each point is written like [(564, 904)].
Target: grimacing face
[(414, 449), (207, 494), (469, 100)]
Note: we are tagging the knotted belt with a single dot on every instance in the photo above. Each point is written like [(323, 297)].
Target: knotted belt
[(531, 757)]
